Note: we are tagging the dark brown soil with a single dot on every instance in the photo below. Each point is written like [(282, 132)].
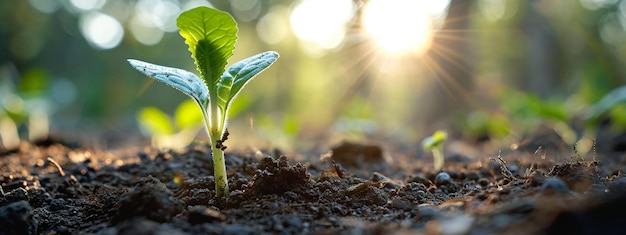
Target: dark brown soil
[(358, 189)]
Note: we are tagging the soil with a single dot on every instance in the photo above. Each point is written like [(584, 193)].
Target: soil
[(56, 188)]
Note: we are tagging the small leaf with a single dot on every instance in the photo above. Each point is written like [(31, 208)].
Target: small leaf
[(187, 115), (223, 90), (155, 121), (243, 71), (211, 35), (435, 140), (184, 81)]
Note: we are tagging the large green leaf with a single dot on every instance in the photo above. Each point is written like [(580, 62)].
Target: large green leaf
[(211, 35)]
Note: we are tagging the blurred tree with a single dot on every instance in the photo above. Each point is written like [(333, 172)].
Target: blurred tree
[(542, 75), (449, 60)]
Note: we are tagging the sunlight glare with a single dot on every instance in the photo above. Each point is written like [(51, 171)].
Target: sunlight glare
[(321, 22), (400, 26)]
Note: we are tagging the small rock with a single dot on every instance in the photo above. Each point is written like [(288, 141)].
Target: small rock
[(420, 180), (483, 182), (202, 214), (428, 212), (555, 185), (387, 182), (443, 178)]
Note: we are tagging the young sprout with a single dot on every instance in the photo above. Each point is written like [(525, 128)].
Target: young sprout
[(211, 35), (435, 144)]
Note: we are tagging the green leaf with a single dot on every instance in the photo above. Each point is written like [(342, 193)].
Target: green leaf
[(187, 115), (182, 80), (155, 121), (435, 140), (242, 72), (211, 35)]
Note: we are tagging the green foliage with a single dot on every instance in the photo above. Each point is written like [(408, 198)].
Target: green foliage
[(171, 132), (606, 103), (187, 115), (155, 121), (211, 36), (612, 105), (529, 106), (481, 122)]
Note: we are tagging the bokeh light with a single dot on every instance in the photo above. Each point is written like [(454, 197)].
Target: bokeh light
[(272, 27), (87, 5), (161, 13), (321, 24), (246, 10), (101, 31), (144, 31)]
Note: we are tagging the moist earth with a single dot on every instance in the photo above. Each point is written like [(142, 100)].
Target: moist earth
[(56, 188)]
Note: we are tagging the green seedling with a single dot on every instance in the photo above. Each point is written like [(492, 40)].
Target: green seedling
[(175, 131), (211, 35), (434, 143)]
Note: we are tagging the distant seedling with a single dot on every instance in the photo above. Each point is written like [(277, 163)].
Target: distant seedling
[(171, 131), (211, 35), (434, 143)]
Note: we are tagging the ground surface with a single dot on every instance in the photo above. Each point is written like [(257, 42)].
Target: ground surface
[(358, 189)]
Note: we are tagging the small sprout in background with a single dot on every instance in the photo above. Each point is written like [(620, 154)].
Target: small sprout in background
[(171, 132), (27, 100), (435, 144), (211, 35), (9, 136)]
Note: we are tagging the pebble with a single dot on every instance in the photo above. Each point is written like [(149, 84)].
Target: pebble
[(428, 212), (387, 182), (201, 214), (420, 180), (556, 185), (442, 178)]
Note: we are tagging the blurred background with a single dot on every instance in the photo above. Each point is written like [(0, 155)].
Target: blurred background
[(491, 71)]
